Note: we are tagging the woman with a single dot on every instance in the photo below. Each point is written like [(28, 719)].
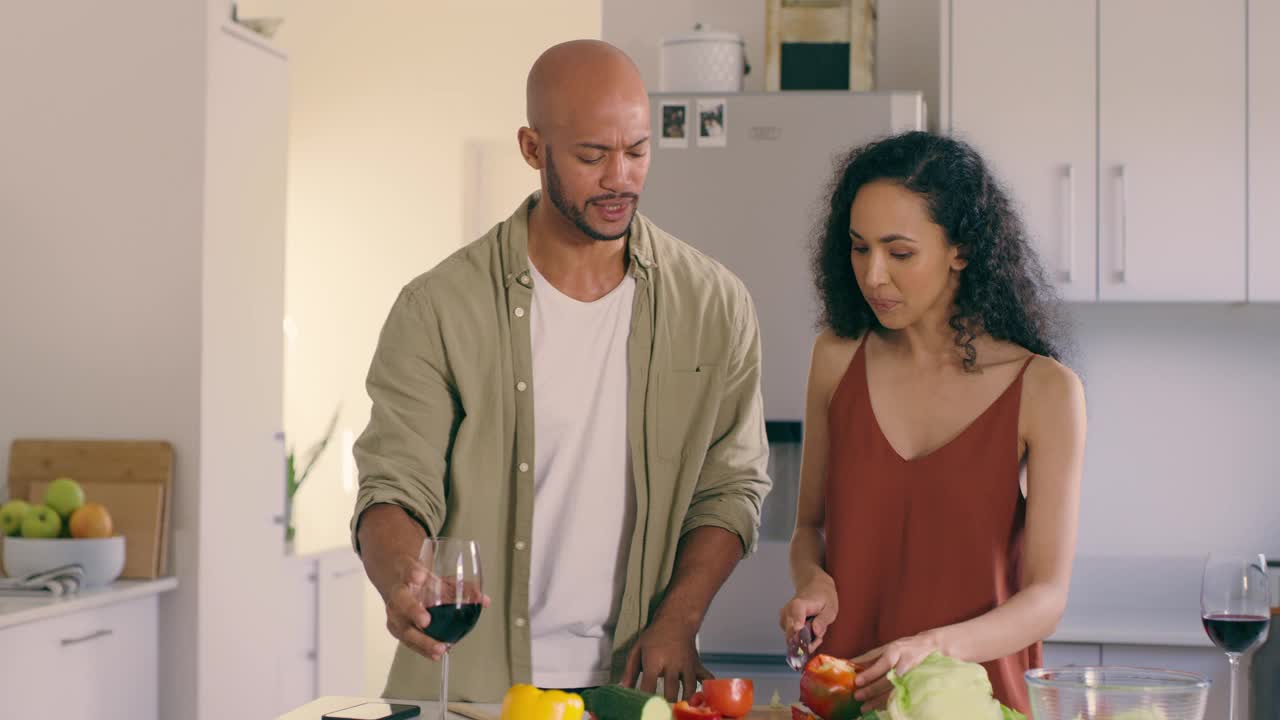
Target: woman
[(934, 389)]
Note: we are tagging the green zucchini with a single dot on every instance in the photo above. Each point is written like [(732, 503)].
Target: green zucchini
[(612, 702)]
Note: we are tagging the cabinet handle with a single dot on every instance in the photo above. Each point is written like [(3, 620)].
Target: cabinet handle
[(1122, 242), (277, 520), (1069, 223), (86, 638)]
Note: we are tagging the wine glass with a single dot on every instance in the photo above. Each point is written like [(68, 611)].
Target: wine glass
[(453, 595), (1235, 607)]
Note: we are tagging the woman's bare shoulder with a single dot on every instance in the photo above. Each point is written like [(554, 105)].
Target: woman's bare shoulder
[(1053, 389), (828, 346), (831, 356)]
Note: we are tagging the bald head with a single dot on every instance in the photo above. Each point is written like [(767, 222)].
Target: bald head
[(581, 77), (588, 136)]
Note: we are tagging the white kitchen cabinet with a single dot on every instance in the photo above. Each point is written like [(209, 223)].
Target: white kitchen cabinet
[(1264, 151), (340, 623), (1171, 149), (1155, 90), (297, 633), (1207, 661), (242, 361), (1058, 654), (96, 664), (1033, 119), (143, 175), (322, 633)]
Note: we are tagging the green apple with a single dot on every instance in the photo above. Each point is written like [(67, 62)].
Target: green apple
[(11, 514), (65, 496), (41, 521)]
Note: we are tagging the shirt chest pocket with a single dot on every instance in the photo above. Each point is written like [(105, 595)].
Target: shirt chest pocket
[(687, 407)]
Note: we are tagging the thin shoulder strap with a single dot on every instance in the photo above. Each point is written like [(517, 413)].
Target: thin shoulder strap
[(1026, 365)]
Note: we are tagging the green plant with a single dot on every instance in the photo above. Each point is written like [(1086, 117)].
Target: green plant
[(293, 480)]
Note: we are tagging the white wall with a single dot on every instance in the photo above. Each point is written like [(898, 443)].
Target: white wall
[(1183, 454), (100, 227), (906, 43), (907, 49), (402, 148)]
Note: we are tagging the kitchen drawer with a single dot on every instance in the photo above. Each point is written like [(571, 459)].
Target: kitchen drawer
[(296, 637), (340, 623), (321, 634), (98, 664)]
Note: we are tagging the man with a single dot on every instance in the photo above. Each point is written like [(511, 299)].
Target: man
[(579, 393)]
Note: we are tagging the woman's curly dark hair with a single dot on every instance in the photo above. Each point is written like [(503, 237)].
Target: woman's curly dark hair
[(1003, 289)]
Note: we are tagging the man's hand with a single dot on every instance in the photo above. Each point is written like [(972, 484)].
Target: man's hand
[(390, 546), (390, 542), (665, 650), (406, 616)]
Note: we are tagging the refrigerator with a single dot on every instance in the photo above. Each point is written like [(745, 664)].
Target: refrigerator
[(745, 182), (744, 178)]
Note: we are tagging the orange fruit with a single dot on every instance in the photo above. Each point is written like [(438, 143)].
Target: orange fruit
[(91, 521)]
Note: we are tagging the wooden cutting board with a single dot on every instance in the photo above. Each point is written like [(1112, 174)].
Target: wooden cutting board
[(136, 512), (143, 463), (765, 712)]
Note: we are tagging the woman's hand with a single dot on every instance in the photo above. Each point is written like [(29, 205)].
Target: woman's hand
[(901, 656), (816, 600)]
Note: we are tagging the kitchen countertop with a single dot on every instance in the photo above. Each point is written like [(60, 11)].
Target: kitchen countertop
[(1131, 626), (15, 610), (314, 709)]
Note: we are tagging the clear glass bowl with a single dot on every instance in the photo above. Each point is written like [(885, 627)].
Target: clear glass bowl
[(1116, 693)]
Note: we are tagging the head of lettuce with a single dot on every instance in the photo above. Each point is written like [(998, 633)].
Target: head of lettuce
[(943, 688)]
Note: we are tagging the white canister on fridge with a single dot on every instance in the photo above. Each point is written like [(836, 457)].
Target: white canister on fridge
[(703, 61)]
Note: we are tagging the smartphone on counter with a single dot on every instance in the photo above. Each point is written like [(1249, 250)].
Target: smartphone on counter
[(374, 711)]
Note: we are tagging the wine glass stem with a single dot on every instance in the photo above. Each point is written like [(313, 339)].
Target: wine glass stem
[(1235, 671), (444, 688)]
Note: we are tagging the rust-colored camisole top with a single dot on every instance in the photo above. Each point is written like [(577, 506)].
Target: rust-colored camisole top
[(916, 545)]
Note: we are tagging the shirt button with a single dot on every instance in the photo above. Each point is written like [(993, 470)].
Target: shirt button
[(521, 386), (519, 312), (524, 279), (519, 544), (524, 467), (520, 622)]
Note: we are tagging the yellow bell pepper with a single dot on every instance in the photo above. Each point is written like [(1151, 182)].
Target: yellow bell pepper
[(526, 702)]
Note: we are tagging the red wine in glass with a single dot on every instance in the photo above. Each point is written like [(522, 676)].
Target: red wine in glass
[(1234, 607), (1235, 633), (453, 596), (451, 622)]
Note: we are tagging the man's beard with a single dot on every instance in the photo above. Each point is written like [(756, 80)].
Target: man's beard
[(578, 216)]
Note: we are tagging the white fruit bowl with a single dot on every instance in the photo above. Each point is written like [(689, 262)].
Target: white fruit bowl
[(101, 558)]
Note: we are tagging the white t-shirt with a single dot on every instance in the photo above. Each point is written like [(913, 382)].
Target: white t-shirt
[(583, 506)]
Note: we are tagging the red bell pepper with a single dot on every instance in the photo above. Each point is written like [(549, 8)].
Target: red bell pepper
[(687, 710), (826, 688)]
